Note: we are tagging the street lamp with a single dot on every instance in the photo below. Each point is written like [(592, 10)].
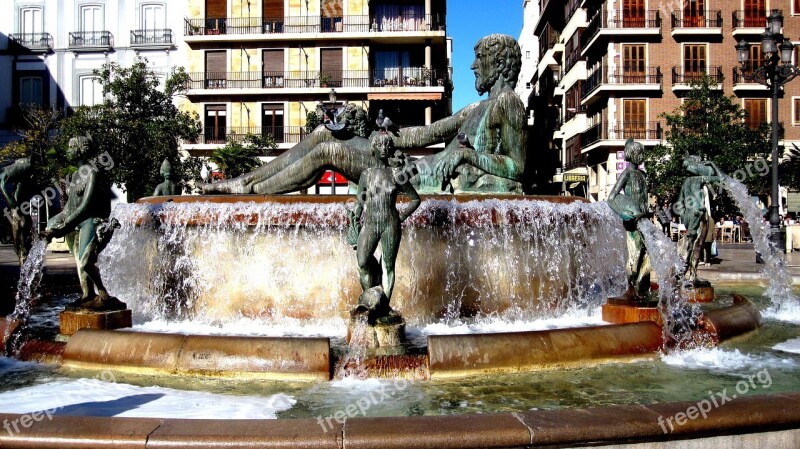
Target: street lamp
[(776, 71)]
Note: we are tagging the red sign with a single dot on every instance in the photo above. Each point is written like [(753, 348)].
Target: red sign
[(332, 177)]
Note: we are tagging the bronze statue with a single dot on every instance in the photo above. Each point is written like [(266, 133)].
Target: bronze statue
[(168, 187), (632, 207), (490, 156), (20, 173), (378, 189), (694, 210), (84, 222)]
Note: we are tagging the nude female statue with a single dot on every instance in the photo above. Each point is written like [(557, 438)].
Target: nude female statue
[(492, 161)]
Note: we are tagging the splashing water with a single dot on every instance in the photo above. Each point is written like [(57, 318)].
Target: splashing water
[(785, 305), (679, 316), (30, 276), (512, 259), (351, 365)]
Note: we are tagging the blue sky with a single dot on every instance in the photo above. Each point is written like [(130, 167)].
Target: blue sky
[(468, 21)]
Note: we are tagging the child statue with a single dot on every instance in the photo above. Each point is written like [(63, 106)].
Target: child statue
[(168, 187), (632, 207), (378, 188)]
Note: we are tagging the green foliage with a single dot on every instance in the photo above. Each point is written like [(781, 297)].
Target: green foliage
[(711, 125), (47, 158), (312, 121), (138, 125), (241, 156)]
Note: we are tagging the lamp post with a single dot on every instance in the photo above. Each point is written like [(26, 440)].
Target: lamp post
[(776, 71)]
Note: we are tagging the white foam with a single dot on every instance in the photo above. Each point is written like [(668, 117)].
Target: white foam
[(284, 327), (574, 318), (92, 397), (788, 311), (792, 346), (715, 359)]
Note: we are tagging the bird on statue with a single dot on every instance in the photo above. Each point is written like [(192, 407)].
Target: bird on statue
[(384, 123), (463, 141)]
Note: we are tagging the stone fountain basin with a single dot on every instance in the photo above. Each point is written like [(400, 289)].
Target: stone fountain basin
[(448, 356)]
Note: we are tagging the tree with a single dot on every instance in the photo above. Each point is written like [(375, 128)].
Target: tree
[(241, 156), (138, 125), (711, 125), (40, 125)]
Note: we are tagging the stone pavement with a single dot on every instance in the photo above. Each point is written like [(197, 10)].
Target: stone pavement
[(736, 262)]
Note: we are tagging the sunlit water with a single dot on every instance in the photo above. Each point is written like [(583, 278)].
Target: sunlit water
[(785, 304), (679, 375), (30, 277)]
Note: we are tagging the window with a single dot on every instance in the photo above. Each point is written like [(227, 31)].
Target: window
[(633, 63), (272, 121), (633, 14), (216, 75), (273, 68), (30, 90), (152, 17), (634, 119), (30, 20), (331, 67), (694, 59), (755, 13), (694, 13), (755, 112), (393, 68), (91, 18), (528, 52), (796, 7), (796, 111), (90, 91), (756, 55), (406, 17), (214, 123)]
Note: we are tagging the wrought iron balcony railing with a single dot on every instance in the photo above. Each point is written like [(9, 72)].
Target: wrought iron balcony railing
[(388, 77), (650, 75), (680, 76), (313, 24), (749, 19), (151, 37), (636, 131), (710, 19), (91, 39), (647, 19), (220, 135), (31, 41)]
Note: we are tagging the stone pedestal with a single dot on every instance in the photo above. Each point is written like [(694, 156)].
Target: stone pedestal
[(73, 320), (383, 338), (621, 311)]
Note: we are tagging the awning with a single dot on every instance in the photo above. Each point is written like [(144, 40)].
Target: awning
[(404, 96)]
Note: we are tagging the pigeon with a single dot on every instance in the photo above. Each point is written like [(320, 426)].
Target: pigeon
[(463, 141), (385, 124)]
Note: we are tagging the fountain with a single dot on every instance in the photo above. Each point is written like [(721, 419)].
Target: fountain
[(197, 270)]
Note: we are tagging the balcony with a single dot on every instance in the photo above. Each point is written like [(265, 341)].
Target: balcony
[(742, 81), (156, 39), (30, 42), (579, 162), (749, 22), (281, 134), (684, 79), (600, 134), (638, 81), (573, 59), (604, 24), (302, 80), (709, 23), (312, 24), (91, 41), (572, 112)]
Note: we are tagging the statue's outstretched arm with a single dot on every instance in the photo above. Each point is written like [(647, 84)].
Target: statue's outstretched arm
[(4, 188), (440, 131)]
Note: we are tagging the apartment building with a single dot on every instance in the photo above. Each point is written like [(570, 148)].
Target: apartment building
[(608, 69), (529, 45), (49, 48), (260, 66)]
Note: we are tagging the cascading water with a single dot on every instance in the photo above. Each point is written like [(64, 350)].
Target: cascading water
[(515, 259), (779, 288), (679, 316), (30, 276), (351, 365)]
